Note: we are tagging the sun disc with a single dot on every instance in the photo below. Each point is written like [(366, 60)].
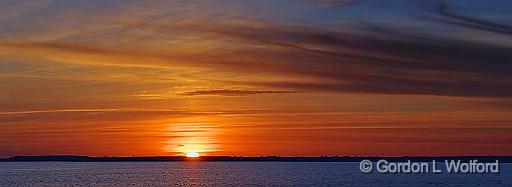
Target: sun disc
[(192, 154)]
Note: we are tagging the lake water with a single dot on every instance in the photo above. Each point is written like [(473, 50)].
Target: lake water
[(228, 174)]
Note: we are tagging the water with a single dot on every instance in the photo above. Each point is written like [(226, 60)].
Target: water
[(228, 174)]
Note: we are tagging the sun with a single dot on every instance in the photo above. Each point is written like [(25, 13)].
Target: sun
[(192, 154)]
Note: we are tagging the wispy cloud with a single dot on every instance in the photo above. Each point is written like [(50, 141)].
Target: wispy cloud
[(333, 61), (445, 13), (225, 92)]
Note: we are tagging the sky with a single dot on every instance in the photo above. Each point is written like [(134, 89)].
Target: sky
[(256, 77)]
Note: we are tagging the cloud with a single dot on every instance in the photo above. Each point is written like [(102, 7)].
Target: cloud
[(225, 92), (10, 10), (445, 14), (370, 59)]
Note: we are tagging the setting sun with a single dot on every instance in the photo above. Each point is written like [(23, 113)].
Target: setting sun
[(192, 154)]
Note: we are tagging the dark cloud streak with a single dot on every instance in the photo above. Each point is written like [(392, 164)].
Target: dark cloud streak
[(389, 64), (225, 92), (448, 16)]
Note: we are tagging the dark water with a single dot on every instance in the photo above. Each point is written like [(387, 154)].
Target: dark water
[(228, 174)]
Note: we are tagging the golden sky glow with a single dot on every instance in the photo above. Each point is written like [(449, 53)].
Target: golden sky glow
[(138, 78)]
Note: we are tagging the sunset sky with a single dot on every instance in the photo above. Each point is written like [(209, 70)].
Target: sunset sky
[(256, 77)]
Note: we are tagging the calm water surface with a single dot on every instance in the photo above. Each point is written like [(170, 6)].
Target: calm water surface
[(228, 174)]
